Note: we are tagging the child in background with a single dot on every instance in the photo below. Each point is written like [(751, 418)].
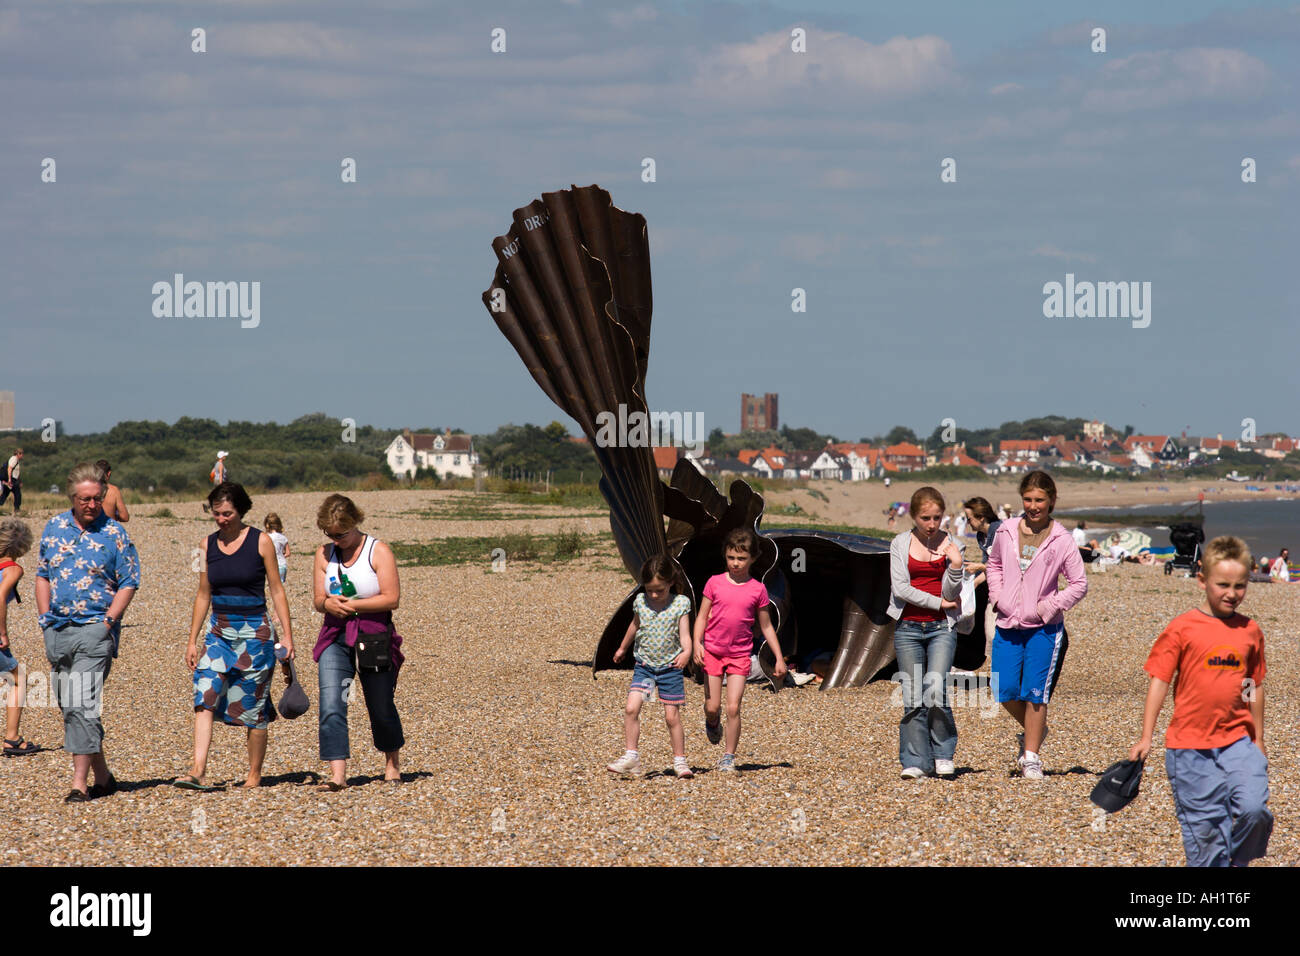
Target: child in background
[(724, 637), (1214, 745), (661, 627), (276, 531), (15, 541)]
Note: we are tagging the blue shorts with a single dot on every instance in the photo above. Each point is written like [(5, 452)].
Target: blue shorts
[(7, 662), (1027, 662), (668, 679)]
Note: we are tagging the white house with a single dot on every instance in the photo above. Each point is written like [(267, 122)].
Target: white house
[(447, 454)]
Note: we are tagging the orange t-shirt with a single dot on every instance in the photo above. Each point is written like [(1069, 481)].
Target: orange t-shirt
[(1215, 658)]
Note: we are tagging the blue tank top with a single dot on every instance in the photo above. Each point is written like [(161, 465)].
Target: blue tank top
[(238, 581)]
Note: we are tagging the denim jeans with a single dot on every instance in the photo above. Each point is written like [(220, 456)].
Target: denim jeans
[(927, 731), (335, 671)]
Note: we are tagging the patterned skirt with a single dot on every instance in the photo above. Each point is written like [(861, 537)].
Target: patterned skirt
[(233, 676)]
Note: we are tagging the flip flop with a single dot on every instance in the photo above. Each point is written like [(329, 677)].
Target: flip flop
[(191, 782)]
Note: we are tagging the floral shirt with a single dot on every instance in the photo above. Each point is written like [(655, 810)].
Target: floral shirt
[(657, 632), (85, 568)]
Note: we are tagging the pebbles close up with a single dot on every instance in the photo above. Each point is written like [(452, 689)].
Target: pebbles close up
[(508, 734)]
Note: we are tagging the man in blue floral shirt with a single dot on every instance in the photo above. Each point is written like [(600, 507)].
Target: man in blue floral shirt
[(87, 574)]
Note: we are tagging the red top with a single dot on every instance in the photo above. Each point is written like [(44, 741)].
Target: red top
[(926, 576)]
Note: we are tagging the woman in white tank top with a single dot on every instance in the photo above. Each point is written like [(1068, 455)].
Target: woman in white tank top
[(367, 564)]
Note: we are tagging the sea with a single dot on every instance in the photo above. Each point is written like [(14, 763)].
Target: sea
[(1265, 523)]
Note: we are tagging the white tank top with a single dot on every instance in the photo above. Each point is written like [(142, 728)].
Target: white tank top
[(361, 572)]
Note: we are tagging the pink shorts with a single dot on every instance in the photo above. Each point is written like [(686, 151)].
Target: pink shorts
[(718, 666)]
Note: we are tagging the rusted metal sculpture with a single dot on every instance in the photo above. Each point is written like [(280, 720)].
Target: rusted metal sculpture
[(572, 295)]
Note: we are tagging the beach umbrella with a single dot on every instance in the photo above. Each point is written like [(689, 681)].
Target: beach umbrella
[(1131, 540)]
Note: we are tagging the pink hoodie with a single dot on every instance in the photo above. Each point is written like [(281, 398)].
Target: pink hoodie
[(1030, 599)]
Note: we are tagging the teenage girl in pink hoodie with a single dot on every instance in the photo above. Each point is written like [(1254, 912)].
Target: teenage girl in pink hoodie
[(1027, 556)]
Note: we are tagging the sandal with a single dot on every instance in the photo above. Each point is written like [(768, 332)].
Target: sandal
[(104, 790), (329, 786), (20, 747), (191, 782), (77, 796)]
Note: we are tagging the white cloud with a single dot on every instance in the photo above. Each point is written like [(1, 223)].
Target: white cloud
[(1049, 251), (1002, 88), (836, 67), (1164, 78)]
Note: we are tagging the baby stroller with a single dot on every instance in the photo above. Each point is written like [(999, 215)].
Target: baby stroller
[(1187, 540)]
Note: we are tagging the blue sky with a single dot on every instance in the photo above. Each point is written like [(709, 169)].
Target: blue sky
[(775, 170)]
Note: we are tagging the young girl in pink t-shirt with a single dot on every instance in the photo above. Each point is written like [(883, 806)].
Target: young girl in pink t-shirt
[(724, 637)]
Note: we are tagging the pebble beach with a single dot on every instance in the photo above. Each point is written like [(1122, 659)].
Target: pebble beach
[(509, 734)]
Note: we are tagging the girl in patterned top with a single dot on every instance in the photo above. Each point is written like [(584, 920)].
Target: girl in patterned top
[(661, 627)]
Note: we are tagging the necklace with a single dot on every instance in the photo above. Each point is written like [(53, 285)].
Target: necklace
[(926, 543)]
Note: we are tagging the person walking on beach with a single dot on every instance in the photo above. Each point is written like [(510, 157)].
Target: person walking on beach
[(15, 541), (219, 474), (1028, 555), (357, 636), (1214, 746), (925, 571), (661, 628), (232, 676), (11, 482), (114, 505), (724, 638), (275, 528), (983, 520), (86, 577)]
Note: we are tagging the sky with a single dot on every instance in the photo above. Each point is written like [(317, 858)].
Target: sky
[(775, 170)]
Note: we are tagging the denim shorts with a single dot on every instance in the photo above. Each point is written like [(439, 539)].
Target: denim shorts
[(668, 679), (7, 662)]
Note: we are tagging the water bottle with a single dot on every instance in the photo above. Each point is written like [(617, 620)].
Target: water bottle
[(334, 587), (349, 589), (281, 652)]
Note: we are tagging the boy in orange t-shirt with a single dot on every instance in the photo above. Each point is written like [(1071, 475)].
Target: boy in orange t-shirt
[(1214, 745)]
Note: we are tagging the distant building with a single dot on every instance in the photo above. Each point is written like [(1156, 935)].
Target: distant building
[(447, 454), (758, 414), (907, 456), (1158, 448), (1094, 431), (6, 411)]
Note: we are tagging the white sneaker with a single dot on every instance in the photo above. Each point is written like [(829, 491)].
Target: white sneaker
[(682, 769), (629, 764), (911, 773), (1031, 768), (944, 768)]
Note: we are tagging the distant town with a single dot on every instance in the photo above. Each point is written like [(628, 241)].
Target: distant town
[(177, 457)]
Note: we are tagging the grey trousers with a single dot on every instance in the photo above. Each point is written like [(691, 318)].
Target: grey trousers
[(80, 656)]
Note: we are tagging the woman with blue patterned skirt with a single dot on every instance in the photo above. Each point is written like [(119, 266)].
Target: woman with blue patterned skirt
[(232, 676)]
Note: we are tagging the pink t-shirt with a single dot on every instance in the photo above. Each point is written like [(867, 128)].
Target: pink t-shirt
[(729, 631)]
